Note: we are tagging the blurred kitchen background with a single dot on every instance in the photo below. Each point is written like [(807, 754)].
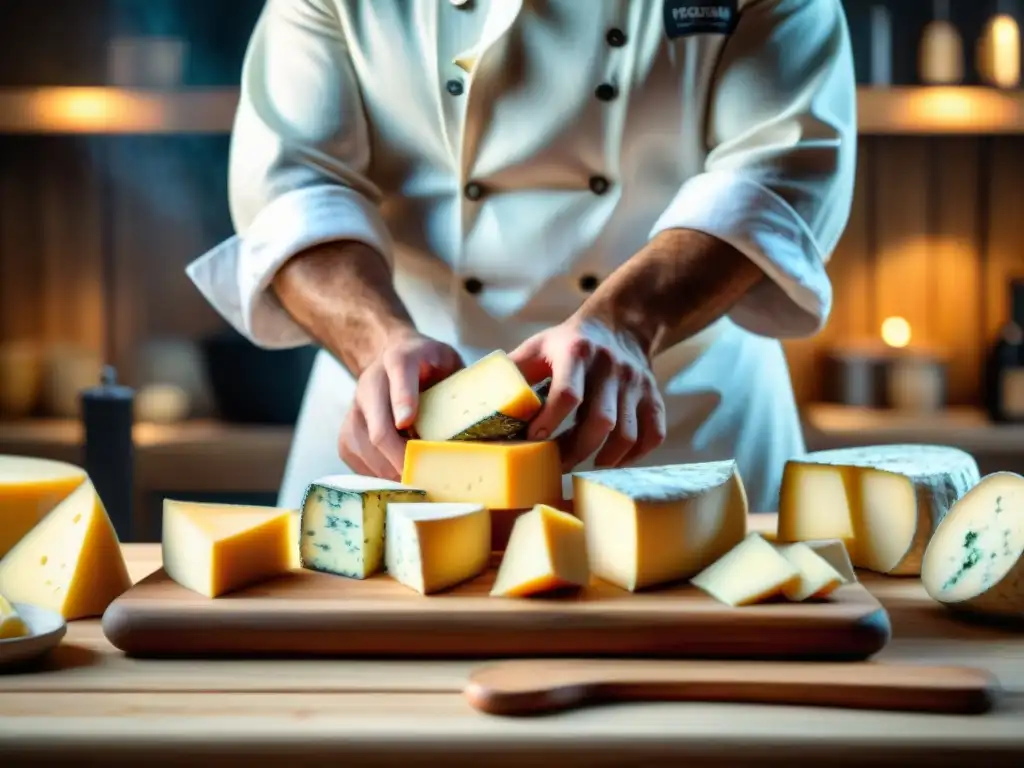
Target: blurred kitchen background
[(114, 121)]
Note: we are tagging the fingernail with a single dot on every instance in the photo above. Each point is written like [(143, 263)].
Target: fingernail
[(402, 415)]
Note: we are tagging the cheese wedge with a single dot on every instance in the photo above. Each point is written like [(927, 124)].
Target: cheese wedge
[(295, 522), (883, 502), (29, 490), (11, 624), (752, 572), (214, 549), (432, 547), (489, 400), (647, 526), (975, 560), (71, 562), (502, 523), (343, 518), (547, 551), (499, 475), (818, 579)]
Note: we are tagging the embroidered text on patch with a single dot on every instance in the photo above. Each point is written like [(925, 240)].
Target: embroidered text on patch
[(693, 17)]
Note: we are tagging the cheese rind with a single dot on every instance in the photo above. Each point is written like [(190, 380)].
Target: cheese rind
[(11, 624), (751, 572), (489, 400), (975, 560), (500, 475), (71, 562), (818, 579), (647, 526), (214, 549), (343, 519), (883, 502), (546, 551), (30, 489), (432, 547)]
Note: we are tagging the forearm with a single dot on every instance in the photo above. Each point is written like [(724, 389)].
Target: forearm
[(680, 283), (342, 295)]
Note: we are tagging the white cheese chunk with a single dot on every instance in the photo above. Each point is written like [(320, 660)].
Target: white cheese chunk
[(818, 579), (751, 572)]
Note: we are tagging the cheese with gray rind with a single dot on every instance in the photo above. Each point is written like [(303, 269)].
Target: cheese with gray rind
[(975, 561)]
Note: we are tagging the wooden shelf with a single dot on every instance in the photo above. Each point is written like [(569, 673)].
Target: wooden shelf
[(59, 110)]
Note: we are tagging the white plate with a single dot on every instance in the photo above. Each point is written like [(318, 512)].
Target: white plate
[(46, 630)]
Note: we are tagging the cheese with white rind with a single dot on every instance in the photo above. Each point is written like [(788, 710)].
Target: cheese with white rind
[(647, 526), (432, 547), (883, 502), (342, 520), (975, 560), (818, 579), (751, 572)]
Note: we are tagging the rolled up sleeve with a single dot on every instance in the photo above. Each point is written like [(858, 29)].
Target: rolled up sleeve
[(299, 155), (778, 179)]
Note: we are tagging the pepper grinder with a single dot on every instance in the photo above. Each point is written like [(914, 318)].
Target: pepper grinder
[(109, 456)]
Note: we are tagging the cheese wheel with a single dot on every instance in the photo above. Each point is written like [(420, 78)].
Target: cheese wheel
[(29, 489)]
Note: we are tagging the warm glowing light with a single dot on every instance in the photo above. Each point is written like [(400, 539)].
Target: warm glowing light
[(896, 332), (999, 52)]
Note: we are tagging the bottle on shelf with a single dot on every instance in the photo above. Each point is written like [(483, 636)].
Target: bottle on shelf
[(941, 55), (999, 48), (1004, 380)]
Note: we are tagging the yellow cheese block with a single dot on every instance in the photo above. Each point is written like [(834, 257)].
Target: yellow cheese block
[(214, 549), (71, 562), (818, 579), (431, 547), (751, 572), (11, 624), (295, 521), (501, 475), (29, 489), (547, 551), (488, 400), (647, 526)]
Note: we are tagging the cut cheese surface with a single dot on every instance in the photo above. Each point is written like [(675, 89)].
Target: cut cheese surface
[(11, 624), (488, 400), (295, 522), (547, 550), (975, 560), (833, 551), (501, 475), (752, 572), (818, 578), (214, 549), (883, 502), (432, 547), (71, 562), (29, 490), (343, 518), (647, 526)]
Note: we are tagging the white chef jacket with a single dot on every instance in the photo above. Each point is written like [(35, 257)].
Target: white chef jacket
[(500, 196)]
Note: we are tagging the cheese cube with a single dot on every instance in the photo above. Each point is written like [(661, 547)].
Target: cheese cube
[(818, 579), (488, 400), (343, 518), (883, 502), (29, 490), (975, 560), (647, 526), (833, 551), (11, 624), (432, 547), (547, 551), (71, 562), (752, 572), (500, 475), (214, 549)]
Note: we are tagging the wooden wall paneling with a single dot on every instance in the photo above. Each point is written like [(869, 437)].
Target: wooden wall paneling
[(1004, 253), (955, 256), (20, 269)]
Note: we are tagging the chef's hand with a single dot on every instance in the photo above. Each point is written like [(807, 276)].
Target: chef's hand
[(608, 376), (386, 401)]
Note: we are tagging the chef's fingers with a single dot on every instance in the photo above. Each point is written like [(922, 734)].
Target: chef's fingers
[(650, 423), (373, 394), (356, 450), (595, 418), (623, 438), (529, 357), (402, 370), (568, 381)]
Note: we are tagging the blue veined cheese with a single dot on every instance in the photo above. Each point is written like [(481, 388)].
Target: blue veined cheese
[(342, 522), (647, 526), (432, 547), (975, 560), (883, 502)]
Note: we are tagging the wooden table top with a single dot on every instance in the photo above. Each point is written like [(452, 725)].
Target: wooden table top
[(89, 700)]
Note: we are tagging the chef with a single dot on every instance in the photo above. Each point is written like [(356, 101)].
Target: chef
[(637, 198)]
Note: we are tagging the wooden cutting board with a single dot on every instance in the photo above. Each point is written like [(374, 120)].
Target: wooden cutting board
[(308, 613)]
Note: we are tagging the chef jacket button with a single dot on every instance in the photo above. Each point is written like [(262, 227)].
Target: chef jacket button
[(589, 283), (598, 185), (454, 87), (472, 285), (463, 4), (474, 191), (606, 92), (616, 37)]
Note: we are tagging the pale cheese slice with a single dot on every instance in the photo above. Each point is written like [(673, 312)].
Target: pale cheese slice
[(546, 551), (751, 572), (11, 624), (818, 579), (30, 488)]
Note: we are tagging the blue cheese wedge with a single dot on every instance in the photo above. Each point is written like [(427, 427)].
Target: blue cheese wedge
[(342, 522), (975, 560)]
